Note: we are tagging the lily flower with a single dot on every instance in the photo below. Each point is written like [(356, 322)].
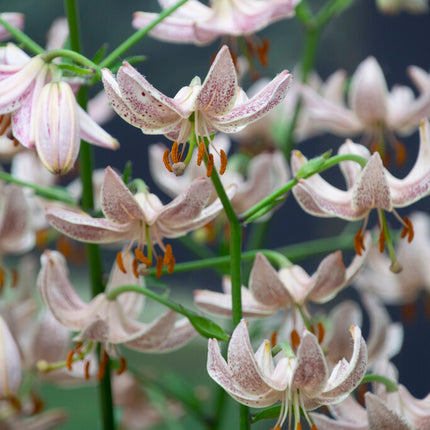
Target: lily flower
[(372, 188), (14, 18), (196, 23), (396, 410), (199, 110), (111, 322), (396, 6), (270, 290), (373, 111), (139, 218), (298, 380)]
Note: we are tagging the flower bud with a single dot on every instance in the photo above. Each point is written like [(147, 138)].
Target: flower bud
[(57, 131), (10, 362)]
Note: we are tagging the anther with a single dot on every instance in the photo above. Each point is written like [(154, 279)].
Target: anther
[(210, 165), (5, 121), (69, 359), (274, 338), (15, 142), (299, 426), (223, 162), (381, 241), (314, 427), (200, 153), (38, 403), (321, 331), (167, 255), (358, 242), (1, 279), (87, 370), (408, 229), (400, 153), (14, 278), (263, 50), (166, 160), (102, 366), (141, 257), (159, 267), (295, 339), (135, 266), (120, 262), (174, 152), (122, 366)]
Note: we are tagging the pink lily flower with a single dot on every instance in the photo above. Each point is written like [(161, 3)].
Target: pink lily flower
[(196, 23), (398, 410), (111, 322), (139, 218), (372, 188), (373, 110), (270, 290), (296, 380), (14, 18), (218, 104)]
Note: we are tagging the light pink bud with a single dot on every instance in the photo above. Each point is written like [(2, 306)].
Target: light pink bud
[(10, 362), (57, 132)]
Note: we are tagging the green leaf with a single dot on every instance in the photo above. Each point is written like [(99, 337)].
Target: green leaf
[(266, 209), (312, 166), (101, 52), (126, 176), (269, 413)]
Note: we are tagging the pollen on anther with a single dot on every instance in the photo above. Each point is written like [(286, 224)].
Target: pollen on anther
[(358, 242), (167, 255), (166, 160), (381, 241), (408, 229), (69, 359), (321, 331), (295, 339), (223, 162), (174, 152), (87, 370), (200, 153), (299, 426), (274, 338), (263, 50), (159, 268), (135, 264), (122, 366), (210, 165), (102, 366), (314, 427), (120, 262), (141, 257)]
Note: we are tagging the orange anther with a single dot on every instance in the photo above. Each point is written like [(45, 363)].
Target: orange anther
[(295, 339), (42, 238), (381, 241), (210, 165), (1, 279), (38, 403), (263, 50), (5, 121), (174, 152), (358, 242), (223, 162), (409, 312), (167, 255), (102, 366), (166, 160), (120, 262), (408, 229), (171, 264), (321, 331), (122, 366), (200, 153), (141, 257), (274, 338), (401, 154), (87, 370), (159, 268), (314, 427), (298, 426), (78, 346), (69, 359), (135, 264), (15, 142)]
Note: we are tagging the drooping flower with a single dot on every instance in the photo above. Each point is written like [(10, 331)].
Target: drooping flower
[(397, 410), (371, 188), (298, 380), (196, 23), (218, 104), (373, 111), (14, 18), (396, 6), (139, 218), (111, 322)]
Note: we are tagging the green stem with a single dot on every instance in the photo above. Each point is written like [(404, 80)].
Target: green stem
[(389, 384), (52, 193), (75, 56), (94, 258), (22, 37), (135, 37)]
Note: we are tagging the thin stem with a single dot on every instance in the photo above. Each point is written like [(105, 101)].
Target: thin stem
[(94, 258), (75, 56), (22, 37), (135, 37), (390, 385)]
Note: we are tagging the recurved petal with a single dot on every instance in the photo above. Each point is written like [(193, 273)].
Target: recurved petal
[(417, 410), (263, 102), (117, 202), (219, 90), (266, 286), (58, 294), (81, 226), (323, 422), (382, 417), (10, 362), (181, 334)]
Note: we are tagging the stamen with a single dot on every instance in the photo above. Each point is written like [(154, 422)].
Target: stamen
[(408, 229), (401, 154), (5, 121), (15, 142), (2, 280), (295, 339), (87, 370), (263, 50), (102, 365), (166, 160), (409, 312), (314, 427), (14, 278), (274, 338), (210, 165), (171, 264), (298, 426), (174, 152), (223, 162), (321, 331), (38, 403), (381, 241), (200, 153), (167, 255), (141, 257), (69, 359), (358, 242), (120, 262), (122, 366), (159, 268), (135, 265)]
